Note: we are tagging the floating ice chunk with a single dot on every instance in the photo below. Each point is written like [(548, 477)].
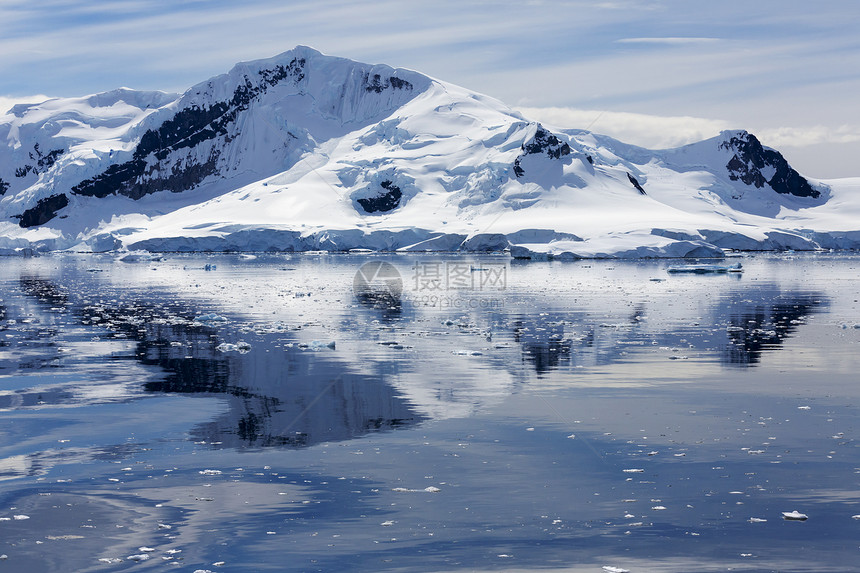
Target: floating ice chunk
[(467, 353), (804, 408), (141, 557), (140, 257), (634, 471), (703, 269), (241, 347), (794, 516), (611, 569), (210, 319), (429, 489), (322, 345), (109, 560), (145, 549), (855, 516), (20, 517), (756, 520), (388, 523), (659, 507), (210, 472)]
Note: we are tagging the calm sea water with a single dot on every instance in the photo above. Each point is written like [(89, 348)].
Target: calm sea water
[(428, 413)]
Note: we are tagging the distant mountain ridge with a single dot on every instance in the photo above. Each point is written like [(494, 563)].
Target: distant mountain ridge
[(305, 151)]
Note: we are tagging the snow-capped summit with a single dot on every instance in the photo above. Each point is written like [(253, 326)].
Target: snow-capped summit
[(307, 151)]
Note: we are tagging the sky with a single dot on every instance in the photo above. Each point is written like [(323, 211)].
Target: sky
[(656, 73)]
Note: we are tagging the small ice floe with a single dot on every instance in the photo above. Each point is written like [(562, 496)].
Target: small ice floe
[(429, 489), (210, 472), (20, 517), (804, 408), (145, 549), (611, 569), (317, 345), (110, 560), (467, 353), (241, 347), (141, 257), (659, 508), (855, 516), (705, 269), (634, 471), (140, 557), (210, 319), (388, 523), (756, 520), (794, 516)]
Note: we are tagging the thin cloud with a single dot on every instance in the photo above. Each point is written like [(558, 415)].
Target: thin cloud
[(651, 131), (667, 40), (7, 103), (810, 135)]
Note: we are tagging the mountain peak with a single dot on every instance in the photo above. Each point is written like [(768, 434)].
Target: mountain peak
[(757, 165)]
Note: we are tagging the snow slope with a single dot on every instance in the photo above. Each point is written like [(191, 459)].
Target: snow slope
[(305, 152)]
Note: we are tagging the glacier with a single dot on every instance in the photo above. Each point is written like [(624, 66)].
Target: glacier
[(305, 151)]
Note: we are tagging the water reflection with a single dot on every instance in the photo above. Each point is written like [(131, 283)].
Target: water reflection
[(757, 326), (277, 396), (739, 329)]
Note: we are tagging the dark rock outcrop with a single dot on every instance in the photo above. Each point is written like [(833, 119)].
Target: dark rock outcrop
[(635, 183), (41, 162), (4, 186), (543, 142), (44, 210), (751, 157), (376, 83), (384, 202), (187, 128)]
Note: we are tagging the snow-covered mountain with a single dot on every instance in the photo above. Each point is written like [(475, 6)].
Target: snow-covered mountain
[(305, 151)]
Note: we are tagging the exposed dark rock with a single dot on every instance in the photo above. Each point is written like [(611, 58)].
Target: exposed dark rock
[(3, 187), (376, 83), (635, 183), (41, 162), (542, 142), (45, 210), (751, 157), (383, 202), (187, 128)]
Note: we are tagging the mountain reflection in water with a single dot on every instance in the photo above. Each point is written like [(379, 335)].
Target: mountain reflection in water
[(277, 396)]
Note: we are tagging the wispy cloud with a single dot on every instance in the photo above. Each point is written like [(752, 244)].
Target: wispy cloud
[(7, 103), (651, 131), (668, 40)]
